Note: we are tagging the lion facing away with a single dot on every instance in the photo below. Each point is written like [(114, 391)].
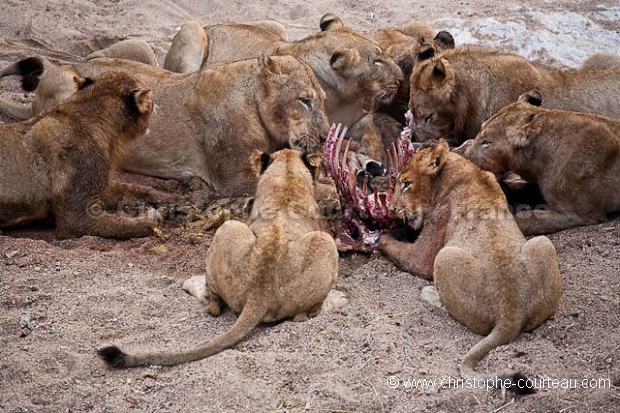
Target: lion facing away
[(573, 157), (454, 92), (278, 266), (486, 274), (207, 123), (60, 164), (351, 68)]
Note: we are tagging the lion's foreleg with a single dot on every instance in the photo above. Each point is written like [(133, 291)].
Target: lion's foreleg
[(545, 221)]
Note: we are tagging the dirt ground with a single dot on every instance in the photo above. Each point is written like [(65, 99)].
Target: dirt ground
[(388, 351)]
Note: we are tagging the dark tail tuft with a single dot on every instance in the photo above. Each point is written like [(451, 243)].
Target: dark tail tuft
[(30, 69), (521, 384), (113, 356)]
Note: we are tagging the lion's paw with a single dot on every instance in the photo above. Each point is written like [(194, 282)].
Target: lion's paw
[(429, 294), (195, 286), (335, 302)]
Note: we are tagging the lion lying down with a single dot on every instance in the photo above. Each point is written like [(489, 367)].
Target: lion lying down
[(573, 157), (207, 123), (60, 164), (278, 266), (486, 275)]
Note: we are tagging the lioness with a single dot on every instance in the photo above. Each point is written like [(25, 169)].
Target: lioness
[(402, 44), (573, 157), (601, 61), (278, 266), (60, 164), (207, 123), (350, 67), (453, 92), (486, 275)]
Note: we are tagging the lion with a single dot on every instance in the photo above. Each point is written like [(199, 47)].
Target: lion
[(573, 157), (486, 274), (454, 92), (402, 44), (130, 49), (60, 164), (601, 61), (207, 123), (352, 69), (278, 266)]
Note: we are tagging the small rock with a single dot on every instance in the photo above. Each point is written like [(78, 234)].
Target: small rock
[(11, 254), (37, 269), (159, 250), (574, 314), (76, 273), (34, 288), (57, 268)]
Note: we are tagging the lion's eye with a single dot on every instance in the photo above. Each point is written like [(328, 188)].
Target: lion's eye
[(307, 103), (484, 143), (379, 62), (428, 118), (404, 186)]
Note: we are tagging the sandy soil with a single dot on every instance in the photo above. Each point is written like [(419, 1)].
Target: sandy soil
[(61, 300)]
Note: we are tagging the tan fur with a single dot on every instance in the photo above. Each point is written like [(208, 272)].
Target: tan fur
[(131, 49), (278, 266), (601, 61), (374, 132), (573, 157), (455, 91), (207, 123), (486, 274), (350, 67), (60, 164), (401, 44)]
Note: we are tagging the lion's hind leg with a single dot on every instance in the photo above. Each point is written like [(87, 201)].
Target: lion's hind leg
[(227, 267), (462, 288), (543, 284), (188, 49), (312, 262)]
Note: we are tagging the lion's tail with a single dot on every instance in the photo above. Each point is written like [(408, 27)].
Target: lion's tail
[(30, 70), (513, 381), (250, 317)]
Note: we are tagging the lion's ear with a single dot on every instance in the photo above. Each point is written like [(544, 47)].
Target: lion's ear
[(343, 58), (259, 161), (442, 71), (523, 135), (82, 82), (142, 100), (533, 97), (269, 65), (330, 21), (444, 40), (437, 158), (426, 52)]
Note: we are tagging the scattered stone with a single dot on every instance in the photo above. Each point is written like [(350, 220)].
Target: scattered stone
[(159, 250), (34, 288), (574, 314), (11, 254)]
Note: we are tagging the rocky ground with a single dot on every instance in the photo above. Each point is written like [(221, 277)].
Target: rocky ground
[(387, 351)]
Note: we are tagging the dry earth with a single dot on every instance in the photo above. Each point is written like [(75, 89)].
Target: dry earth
[(61, 300)]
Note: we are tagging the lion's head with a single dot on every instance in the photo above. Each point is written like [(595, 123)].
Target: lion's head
[(351, 68), (291, 104), (509, 130), (414, 184), (433, 109)]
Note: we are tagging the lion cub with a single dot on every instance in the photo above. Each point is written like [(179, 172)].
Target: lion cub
[(60, 164), (278, 266), (486, 275), (573, 157)]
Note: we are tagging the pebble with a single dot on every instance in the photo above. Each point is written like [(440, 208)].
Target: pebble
[(34, 288), (574, 314)]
